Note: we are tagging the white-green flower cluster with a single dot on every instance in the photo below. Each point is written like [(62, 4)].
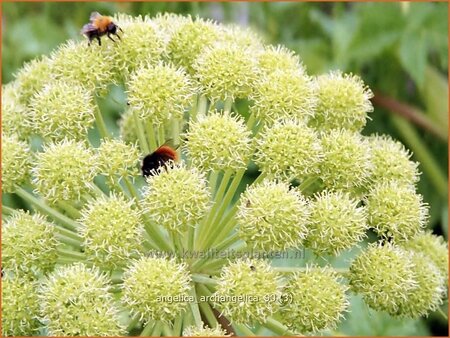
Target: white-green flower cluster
[(177, 198), (29, 244), (112, 231), (154, 288), (75, 301), (272, 217), (269, 159), (226, 151), (256, 284)]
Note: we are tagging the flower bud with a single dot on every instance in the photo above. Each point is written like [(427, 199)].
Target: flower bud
[(226, 71), (210, 148), (273, 59), (190, 38), (283, 94), (118, 159), (288, 150), (156, 288), (32, 77), (128, 131), (343, 102), (432, 246), (177, 198), (15, 115), (314, 300), (347, 161), (141, 44), (429, 291), (337, 223), (396, 211), (160, 93), (272, 217), (392, 161), (15, 163), (112, 231), (384, 276), (76, 62), (64, 171), (248, 291), (62, 110), (75, 301), (28, 244), (20, 307)]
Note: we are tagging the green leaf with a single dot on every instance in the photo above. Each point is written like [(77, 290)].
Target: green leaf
[(413, 55)]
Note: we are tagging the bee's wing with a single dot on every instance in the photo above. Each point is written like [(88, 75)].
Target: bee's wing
[(88, 28), (94, 15)]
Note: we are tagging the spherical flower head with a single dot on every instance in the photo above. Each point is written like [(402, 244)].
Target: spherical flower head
[(190, 38), (432, 246), (219, 141), (287, 150), (117, 158), (383, 275), (127, 127), (61, 110), (248, 291), (160, 93), (343, 102), (276, 58), (15, 163), (391, 161), (75, 301), (28, 244), (242, 37), (396, 211), (347, 160), (168, 24), (204, 331), (112, 231), (283, 94), (32, 77), (315, 300), (140, 45), (64, 171), (15, 115), (337, 223), (156, 288), (177, 198), (226, 71), (89, 65), (20, 307), (272, 218), (429, 291)]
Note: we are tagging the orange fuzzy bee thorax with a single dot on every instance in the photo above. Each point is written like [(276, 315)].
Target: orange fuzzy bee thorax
[(102, 22)]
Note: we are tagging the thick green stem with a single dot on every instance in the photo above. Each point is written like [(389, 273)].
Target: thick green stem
[(177, 326), (148, 329), (140, 133), (167, 331), (131, 188), (205, 308), (103, 131), (244, 329), (194, 309), (204, 279), (202, 106), (7, 210), (133, 322), (151, 136), (161, 134), (228, 104), (307, 183), (276, 327), (70, 210), (42, 207), (64, 253)]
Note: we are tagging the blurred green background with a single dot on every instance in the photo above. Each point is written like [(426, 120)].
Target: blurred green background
[(399, 49)]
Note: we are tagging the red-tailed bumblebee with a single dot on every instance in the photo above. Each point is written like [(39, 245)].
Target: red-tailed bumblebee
[(161, 157), (98, 26)]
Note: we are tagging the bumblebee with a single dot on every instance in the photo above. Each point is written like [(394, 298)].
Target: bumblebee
[(98, 26), (161, 157)]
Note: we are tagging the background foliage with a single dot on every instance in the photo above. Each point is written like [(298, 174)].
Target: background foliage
[(399, 49)]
